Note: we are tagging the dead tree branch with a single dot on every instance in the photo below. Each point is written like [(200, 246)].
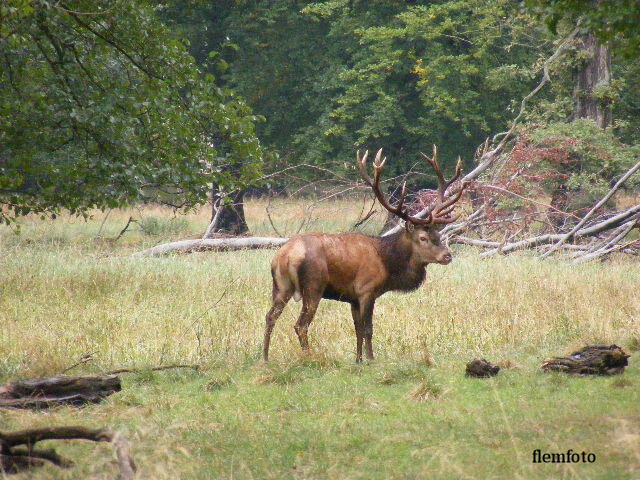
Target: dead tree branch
[(549, 239), (602, 201), (14, 457), (195, 367)]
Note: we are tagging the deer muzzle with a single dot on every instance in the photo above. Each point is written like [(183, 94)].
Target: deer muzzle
[(445, 259)]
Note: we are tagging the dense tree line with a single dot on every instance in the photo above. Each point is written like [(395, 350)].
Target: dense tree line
[(330, 77), (106, 103)]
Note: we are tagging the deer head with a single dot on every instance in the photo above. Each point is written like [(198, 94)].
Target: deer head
[(422, 233)]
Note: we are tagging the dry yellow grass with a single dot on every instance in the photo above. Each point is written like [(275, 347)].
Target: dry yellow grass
[(65, 294)]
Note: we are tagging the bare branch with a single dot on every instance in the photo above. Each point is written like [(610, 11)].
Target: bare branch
[(268, 211), (29, 438), (602, 201), (153, 369), (122, 232), (217, 205)]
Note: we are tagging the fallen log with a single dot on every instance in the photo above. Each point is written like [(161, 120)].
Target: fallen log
[(213, 244), (590, 360), (56, 391), (18, 452), (549, 239), (584, 219), (251, 243)]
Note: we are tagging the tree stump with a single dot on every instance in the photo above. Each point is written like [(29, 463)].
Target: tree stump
[(590, 360), (55, 391), (480, 368)]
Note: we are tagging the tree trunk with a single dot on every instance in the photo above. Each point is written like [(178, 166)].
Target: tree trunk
[(594, 73), (232, 219), (559, 201)]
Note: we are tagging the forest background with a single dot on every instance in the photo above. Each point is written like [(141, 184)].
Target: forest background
[(108, 105)]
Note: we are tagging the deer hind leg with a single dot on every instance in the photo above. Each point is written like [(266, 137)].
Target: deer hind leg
[(310, 301), (280, 298), (359, 327), (311, 282)]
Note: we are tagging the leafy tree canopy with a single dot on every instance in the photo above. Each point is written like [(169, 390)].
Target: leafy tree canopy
[(613, 21), (331, 77), (429, 72), (101, 104)]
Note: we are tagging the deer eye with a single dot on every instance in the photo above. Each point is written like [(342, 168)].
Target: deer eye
[(423, 239)]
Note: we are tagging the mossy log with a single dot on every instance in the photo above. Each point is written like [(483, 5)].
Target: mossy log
[(55, 391), (590, 360)]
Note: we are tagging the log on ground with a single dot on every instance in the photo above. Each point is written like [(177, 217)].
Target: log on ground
[(213, 244), (55, 391), (590, 360)]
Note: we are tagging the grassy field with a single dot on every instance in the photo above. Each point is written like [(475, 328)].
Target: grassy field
[(66, 290)]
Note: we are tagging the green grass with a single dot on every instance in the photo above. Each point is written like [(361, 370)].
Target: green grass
[(411, 413)]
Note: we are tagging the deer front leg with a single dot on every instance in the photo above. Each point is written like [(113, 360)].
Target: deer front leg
[(359, 327), (366, 313)]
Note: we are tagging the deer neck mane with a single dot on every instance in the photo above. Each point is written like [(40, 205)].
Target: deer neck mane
[(405, 272)]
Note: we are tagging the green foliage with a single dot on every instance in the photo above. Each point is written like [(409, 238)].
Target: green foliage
[(331, 77), (626, 109), (611, 21), (438, 72), (334, 76), (587, 158), (101, 105)]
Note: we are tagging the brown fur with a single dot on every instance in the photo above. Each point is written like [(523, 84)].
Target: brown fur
[(352, 268)]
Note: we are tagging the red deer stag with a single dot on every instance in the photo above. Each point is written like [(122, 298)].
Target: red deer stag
[(356, 268)]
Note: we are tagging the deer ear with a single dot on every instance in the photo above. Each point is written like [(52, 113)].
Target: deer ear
[(409, 226)]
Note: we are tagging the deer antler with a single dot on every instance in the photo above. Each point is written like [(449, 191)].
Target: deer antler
[(438, 214), (445, 206)]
